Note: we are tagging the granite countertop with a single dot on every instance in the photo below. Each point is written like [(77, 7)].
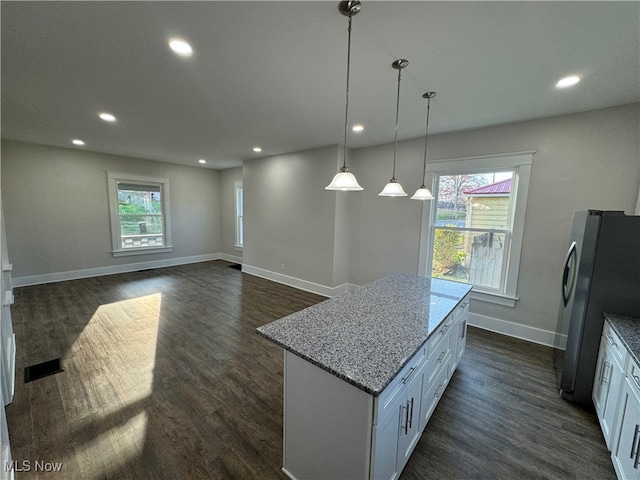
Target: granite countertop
[(366, 336), (628, 329)]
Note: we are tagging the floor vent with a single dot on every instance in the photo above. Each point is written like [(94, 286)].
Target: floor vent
[(236, 266), (40, 370)]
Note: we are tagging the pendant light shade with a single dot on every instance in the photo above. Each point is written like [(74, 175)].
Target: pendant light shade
[(393, 188), (345, 180), (423, 192)]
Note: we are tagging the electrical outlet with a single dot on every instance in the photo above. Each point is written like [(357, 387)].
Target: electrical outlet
[(282, 266)]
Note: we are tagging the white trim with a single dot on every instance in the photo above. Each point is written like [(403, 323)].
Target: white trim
[(298, 282), (523, 332), (113, 178), (521, 163), (110, 270), (230, 258), (141, 251), (496, 298)]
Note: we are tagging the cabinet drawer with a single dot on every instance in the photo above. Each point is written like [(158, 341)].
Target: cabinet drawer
[(433, 392), (385, 402), (438, 356), (613, 343), (433, 344)]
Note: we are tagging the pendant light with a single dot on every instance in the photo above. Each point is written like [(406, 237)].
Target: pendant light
[(345, 180), (393, 188), (423, 192)]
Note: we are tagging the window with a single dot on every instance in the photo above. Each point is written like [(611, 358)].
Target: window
[(476, 223), (139, 214), (239, 203)]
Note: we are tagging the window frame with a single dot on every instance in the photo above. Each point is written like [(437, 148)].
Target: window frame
[(520, 163), (238, 202), (114, 178)]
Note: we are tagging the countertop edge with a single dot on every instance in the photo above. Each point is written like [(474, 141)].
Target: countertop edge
[(617, 323), (351, 381)]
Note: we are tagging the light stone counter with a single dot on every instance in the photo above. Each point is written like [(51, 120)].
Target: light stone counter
[(366, 336), (628, 329)]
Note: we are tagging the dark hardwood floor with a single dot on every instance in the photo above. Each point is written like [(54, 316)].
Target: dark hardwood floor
[(165, 378)]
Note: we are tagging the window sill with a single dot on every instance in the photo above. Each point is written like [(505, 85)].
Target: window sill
[(497, 298), (141, 251)]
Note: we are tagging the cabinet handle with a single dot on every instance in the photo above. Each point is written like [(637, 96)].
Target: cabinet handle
[(442, 355), (636, 380), (606, 376), (411, 416), (445, 328), (601, 373), (634, 444), (437, 393), (464, 329), (610, 340), (406, 418), (412, 370)]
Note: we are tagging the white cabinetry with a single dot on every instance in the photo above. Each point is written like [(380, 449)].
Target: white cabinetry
[(7, 352), (332, 429), (626, 454), (608, 380)]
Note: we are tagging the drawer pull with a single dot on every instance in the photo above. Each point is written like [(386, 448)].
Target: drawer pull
[(636, 380), (442, 355), (412, 370), (610, 340), (635, 440)]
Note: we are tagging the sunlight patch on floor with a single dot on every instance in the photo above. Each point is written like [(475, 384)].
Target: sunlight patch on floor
[(112, 361)]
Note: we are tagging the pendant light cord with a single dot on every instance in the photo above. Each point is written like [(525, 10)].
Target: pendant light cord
[(426, 134), (395, 138), (346, 109)]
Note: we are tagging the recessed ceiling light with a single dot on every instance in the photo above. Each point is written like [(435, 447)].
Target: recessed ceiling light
[(567, 81), (107, 117), (77, 141), (180, 47), (202, 160), (358, 128), (257, 149)]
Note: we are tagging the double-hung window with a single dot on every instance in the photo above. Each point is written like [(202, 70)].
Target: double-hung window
[(476, 223), (140, 221), (239, 208)]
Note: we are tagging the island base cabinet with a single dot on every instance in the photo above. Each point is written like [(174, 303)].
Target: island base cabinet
[(327, 424), (626, 455), (385, 438)]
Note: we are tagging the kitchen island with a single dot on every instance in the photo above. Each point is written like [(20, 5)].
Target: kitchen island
[(363, 373)]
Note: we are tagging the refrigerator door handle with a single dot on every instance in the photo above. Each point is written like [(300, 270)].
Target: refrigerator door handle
[(569, 273)]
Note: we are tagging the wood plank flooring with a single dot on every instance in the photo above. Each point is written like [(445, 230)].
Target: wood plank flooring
[(165, 378)]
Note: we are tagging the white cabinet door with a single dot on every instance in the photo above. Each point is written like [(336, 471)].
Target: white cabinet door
[(600, 386), (615, 379), (385, 440), (410, 431), (626, 457)]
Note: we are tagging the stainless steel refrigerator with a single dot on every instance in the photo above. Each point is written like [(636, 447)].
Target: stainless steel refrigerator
[(601, 273)]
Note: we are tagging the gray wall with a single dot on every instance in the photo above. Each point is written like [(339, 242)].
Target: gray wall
[(57, 211), (329, 239), (290, 219), (585, 160), (227, 212)]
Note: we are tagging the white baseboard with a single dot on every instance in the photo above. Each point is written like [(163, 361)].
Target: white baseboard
[(298, 283), (110, 270), (524, 332), (230, 258)]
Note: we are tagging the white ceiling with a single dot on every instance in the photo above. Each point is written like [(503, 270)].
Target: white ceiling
[(272, 73)]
